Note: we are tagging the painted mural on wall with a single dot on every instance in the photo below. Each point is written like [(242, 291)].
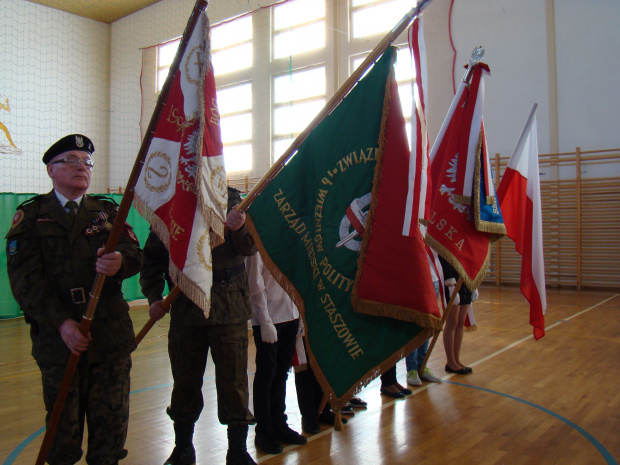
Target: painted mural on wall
[(11, 147)]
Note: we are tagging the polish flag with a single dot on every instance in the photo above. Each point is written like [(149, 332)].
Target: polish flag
[(418, 194), (519, 198)]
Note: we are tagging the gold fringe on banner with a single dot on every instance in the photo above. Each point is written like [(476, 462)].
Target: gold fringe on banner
[(370, 307)]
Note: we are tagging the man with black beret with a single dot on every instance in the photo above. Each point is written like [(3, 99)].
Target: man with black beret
[(54, 252)]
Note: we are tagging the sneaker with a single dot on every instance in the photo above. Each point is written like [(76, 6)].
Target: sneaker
[(428, 375), (413, 379), (347, 410)]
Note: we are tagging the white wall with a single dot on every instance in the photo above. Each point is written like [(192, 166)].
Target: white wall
[(588, 63), (54, 71), (63, 73)]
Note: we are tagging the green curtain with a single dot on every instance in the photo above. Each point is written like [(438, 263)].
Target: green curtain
[(8, 205)]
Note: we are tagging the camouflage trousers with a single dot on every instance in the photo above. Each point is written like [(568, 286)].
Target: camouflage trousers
[(188, 348), (99, 395)]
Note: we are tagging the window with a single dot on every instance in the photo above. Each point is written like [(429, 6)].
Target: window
[(298, 26), (297, 98), (370, 17), (268, 95), (231, 46), (165, 56), (235, 107)]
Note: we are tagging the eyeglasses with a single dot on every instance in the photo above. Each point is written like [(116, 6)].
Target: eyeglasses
[(75, 162)]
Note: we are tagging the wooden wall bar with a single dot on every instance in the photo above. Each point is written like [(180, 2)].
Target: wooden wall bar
[(581, 222)]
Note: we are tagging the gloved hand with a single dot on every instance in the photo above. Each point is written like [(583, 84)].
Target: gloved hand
[(268, 333), (474, 295)]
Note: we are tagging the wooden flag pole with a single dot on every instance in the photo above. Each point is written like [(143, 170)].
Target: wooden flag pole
[(115, 233), (333, 102), (165, 305), (444, 317)]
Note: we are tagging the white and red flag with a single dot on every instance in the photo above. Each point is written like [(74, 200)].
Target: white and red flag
[(182, 187), (519, 198), (418, 193), (464, 214)]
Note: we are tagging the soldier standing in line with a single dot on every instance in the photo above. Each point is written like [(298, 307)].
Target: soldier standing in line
[(54, 251), (191, 336)]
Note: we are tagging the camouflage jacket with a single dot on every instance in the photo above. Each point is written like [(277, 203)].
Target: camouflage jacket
[(51, 268), (230, 303)]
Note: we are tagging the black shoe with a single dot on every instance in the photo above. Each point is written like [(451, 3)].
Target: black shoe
[(239, 458), (347, 410), (356, 402), (462, 371), (329, 418), (395, 395), (286, 434), (267, 444), (310, 426), (182, 456)]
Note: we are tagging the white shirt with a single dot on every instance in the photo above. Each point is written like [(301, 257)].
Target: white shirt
[(63, 200), (270, 303)]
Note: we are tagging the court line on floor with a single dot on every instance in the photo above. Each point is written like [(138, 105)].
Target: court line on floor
[(11, 458), (604, 452)]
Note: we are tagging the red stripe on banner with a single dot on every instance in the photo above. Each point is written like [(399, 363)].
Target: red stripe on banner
[(179, 212), (394, 262)]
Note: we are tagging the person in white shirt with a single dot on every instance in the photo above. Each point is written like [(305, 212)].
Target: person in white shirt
[(275, 321)]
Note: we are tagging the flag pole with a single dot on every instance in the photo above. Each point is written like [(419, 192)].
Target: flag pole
[(165, 305), (333, 102), (444, 317), (115, 233)]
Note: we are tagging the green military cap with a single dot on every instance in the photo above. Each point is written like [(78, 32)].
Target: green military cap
[(67, 143)]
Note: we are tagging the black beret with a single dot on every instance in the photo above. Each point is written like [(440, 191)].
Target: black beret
[(67, 143)]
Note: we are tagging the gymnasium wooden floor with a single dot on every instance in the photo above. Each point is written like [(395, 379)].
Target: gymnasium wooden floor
[(552, 401)]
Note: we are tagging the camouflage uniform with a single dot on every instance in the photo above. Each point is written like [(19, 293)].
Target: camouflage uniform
[(191, 336), (51, 268)]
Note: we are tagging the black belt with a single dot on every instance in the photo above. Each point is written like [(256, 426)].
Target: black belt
[(223, 276), (79, 295)]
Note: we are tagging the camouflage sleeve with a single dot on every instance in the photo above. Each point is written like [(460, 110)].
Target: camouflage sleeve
[(243, 242), (34, 294), (154, 268)]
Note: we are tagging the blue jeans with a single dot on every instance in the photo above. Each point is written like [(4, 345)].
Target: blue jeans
[(414, 360)]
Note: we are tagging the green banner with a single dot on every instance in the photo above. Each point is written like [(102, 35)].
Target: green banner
[(8, 204), (301, 224)]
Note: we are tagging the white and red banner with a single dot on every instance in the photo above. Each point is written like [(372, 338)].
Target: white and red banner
[(464, 213), (519, 198), (418, 194), (182, 187)]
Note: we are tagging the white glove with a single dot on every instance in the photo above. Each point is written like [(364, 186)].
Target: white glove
[(457, 299), (268, 333), (474, 295)]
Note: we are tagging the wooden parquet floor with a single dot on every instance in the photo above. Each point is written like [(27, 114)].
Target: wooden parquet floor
[(552, 401)]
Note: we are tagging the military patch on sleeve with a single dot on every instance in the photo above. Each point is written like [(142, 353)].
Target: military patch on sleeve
[(17, 218), (11, 248), (132, 235)]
